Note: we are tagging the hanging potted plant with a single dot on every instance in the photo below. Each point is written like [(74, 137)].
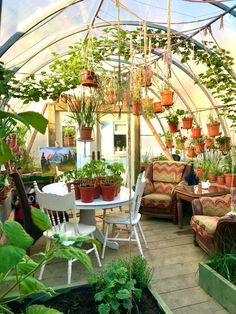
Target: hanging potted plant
[(187, 121), (179, 142), (209, 142), (199, 145), (190, 150), (196, 130), (173, 119), (224, 143), (136, 94), (213, 126), (168, 139), (147, 104), (166, 95), (157, 107)]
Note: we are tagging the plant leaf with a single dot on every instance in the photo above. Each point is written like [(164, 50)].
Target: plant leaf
[(40, 219), (35, 119), (5, 153), (26, 267), (73, 252), (104, 308), (123, 294), (11, 256), (30, 285), (41, 309), (16, 234)]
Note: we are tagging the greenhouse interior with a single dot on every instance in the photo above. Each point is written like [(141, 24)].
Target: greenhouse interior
[(117, 138)]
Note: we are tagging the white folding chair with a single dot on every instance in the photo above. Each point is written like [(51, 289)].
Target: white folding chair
[(56, 206), (131, 220)]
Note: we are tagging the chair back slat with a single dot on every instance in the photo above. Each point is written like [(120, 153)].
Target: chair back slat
[(55, 206), (139, 188)]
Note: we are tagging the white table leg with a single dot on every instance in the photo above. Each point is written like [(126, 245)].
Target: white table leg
[(88, 217)]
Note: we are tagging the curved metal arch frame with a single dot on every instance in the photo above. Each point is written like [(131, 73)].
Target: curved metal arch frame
[(15, 37), (178, 64)]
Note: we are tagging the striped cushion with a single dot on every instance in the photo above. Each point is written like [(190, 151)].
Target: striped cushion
[(168, 171), (204, 225), (156, 200), (216, 206), (163, 187)]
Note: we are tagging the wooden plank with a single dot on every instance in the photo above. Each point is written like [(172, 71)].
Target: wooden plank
[(158, 138), (51, 125)]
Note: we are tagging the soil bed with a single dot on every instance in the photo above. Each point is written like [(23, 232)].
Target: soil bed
[(81, 300)]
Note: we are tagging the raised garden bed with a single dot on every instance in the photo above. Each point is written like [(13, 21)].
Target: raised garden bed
[(80, 299), (223, 291)]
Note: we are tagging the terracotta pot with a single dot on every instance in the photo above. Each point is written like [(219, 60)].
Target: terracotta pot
[(173, 128), (196, 132), (180, 146), (213, 129), (97, 190), (69, 140), (209, 142), (169, 144), (187, 123), (108, 192), (86, 133), (212, 178), (137, 109), (167, 98), (89, 78), (199, 172), (230, 180), (199, 148), (157, 107), (76, 188), (190, 152), (87, 194), (220, 180)]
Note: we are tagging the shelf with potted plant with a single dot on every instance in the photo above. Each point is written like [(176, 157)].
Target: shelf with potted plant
[(213, 126)]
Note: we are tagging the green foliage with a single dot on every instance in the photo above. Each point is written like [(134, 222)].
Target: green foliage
[(225, 265), (168, 136), (115, 289), (172, 116), (69, 131), (18, 268)]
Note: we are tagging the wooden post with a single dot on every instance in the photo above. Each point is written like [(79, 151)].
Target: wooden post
[(158, 139), (137, 158), (51, 125)]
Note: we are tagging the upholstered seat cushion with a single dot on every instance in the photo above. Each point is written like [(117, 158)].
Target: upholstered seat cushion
[(204, 225), (160, 200)]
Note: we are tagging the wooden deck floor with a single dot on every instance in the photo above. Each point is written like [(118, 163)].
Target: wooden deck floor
[(173, 257)]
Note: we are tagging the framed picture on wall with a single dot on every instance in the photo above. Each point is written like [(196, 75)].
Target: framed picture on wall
[(64, 158)]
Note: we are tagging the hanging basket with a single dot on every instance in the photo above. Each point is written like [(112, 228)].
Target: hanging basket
[(196, 132), (190, 152), (86, 133), (173, 128), (169, 144), (89, 78), (167, 98), (157, 107), (187, 123), (213, 129), (199, 148)]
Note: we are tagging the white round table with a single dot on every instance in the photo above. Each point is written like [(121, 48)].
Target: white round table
[(87, 210)]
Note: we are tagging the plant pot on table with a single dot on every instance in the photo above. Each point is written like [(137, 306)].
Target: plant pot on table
[(108, 191), (87, 193)]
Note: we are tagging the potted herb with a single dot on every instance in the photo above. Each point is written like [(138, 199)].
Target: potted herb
[(223, 143), (209, 142), (168, 139), (172, 118), (199, 145), (213, 126), (190, 150), (69, 135), (179, 142)]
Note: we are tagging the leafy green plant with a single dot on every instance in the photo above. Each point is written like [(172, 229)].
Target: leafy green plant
[(147, 157), (69, 131), (159, 157), (18, 268), (212, 119), (172, 117), (225, 265), (115, 170), (115, 289), (168, 136)]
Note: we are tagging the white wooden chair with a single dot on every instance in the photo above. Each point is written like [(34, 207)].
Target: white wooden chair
[(56, 206), (131, 220)]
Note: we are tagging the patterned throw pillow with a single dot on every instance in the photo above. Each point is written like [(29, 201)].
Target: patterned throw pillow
[(216, 206), (168, 171)]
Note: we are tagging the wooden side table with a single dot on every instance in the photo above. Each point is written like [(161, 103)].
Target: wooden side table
[(189, 193)]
